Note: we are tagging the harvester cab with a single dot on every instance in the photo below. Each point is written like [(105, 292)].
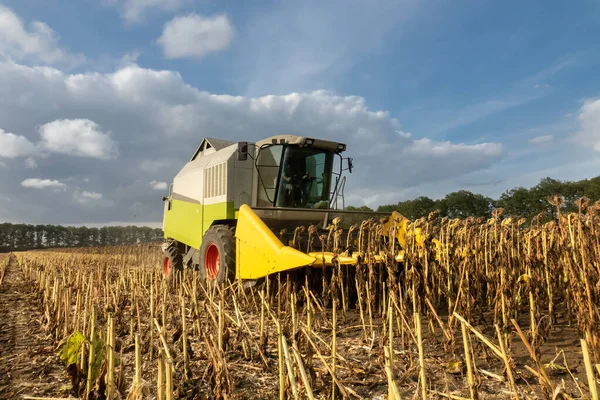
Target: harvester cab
[(240, 210)]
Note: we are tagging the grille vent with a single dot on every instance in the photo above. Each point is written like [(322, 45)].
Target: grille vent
[(215, 180)]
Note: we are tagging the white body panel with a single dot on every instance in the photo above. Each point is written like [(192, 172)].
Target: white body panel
[(216, 177)]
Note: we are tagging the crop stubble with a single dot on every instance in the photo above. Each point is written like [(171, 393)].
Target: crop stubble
[(503, 312)]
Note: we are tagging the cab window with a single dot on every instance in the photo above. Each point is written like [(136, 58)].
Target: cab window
[(305, 178), (269, 160)]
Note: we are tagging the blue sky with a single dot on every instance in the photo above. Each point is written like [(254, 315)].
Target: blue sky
[(481, 95)]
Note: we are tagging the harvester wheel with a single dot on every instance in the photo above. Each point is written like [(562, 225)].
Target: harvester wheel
[(172, 260), (217, 254)]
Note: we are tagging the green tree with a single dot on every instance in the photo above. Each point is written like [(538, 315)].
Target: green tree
[(519, 202), (361, 208), (25, 237), (463, 204), (417, 208)]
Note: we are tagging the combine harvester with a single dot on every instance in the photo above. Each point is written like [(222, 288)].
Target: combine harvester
[(240, 210)]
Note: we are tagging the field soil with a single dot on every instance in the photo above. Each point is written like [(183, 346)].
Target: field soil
[(29, 364)]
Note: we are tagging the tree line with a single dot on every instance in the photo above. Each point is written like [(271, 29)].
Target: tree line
[(17, 237), (517, 202)]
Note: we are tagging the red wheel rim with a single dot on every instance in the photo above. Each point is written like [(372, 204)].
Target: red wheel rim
[(212, 261), (166, 266)]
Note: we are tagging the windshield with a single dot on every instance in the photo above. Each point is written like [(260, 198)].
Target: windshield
[(305, 178)]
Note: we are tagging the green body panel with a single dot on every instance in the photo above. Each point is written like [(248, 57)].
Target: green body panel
[(186, 221)]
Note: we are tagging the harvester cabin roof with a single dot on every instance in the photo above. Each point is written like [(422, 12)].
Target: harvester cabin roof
[(210, 145), (303, 141)]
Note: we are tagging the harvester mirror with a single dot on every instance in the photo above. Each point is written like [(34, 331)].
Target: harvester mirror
[(350, 165), (242, 151)]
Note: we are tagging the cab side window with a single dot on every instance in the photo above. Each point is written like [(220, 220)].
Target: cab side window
[(315, 166), (269, 159)]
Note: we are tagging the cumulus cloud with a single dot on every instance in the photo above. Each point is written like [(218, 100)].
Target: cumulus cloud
[(159, 120), (37, 183), (86, 198), (12, 145), (158, 185), (194, 36), (78, 137), (33, 42), (91, 195), (130, 58), (30, 163), (429, 148), (588, 118), (541, 139), (134, 11), (432, 161)]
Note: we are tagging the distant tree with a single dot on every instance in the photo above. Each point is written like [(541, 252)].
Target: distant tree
[(591, 188), (546, 188), (417, 208), (24, 237), (519, 201), (387, 208), (527, 203), (462, 204), (361, 208)]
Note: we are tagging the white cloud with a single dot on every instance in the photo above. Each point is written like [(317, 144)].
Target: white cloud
[(130, 58), (30, 163), (91, 199), (444, 160), (133, 11), (158, 185), (12, 145), (588, 118), (194, 36), (91, 195), (430, 148), (79, 137), (36, 42), (541, 139), (37, 183), (160, 120)]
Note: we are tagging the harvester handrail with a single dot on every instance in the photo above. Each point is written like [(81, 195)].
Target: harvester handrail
[(338, 192)]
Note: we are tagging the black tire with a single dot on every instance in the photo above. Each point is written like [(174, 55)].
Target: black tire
[(172, 260), (217, 254)]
